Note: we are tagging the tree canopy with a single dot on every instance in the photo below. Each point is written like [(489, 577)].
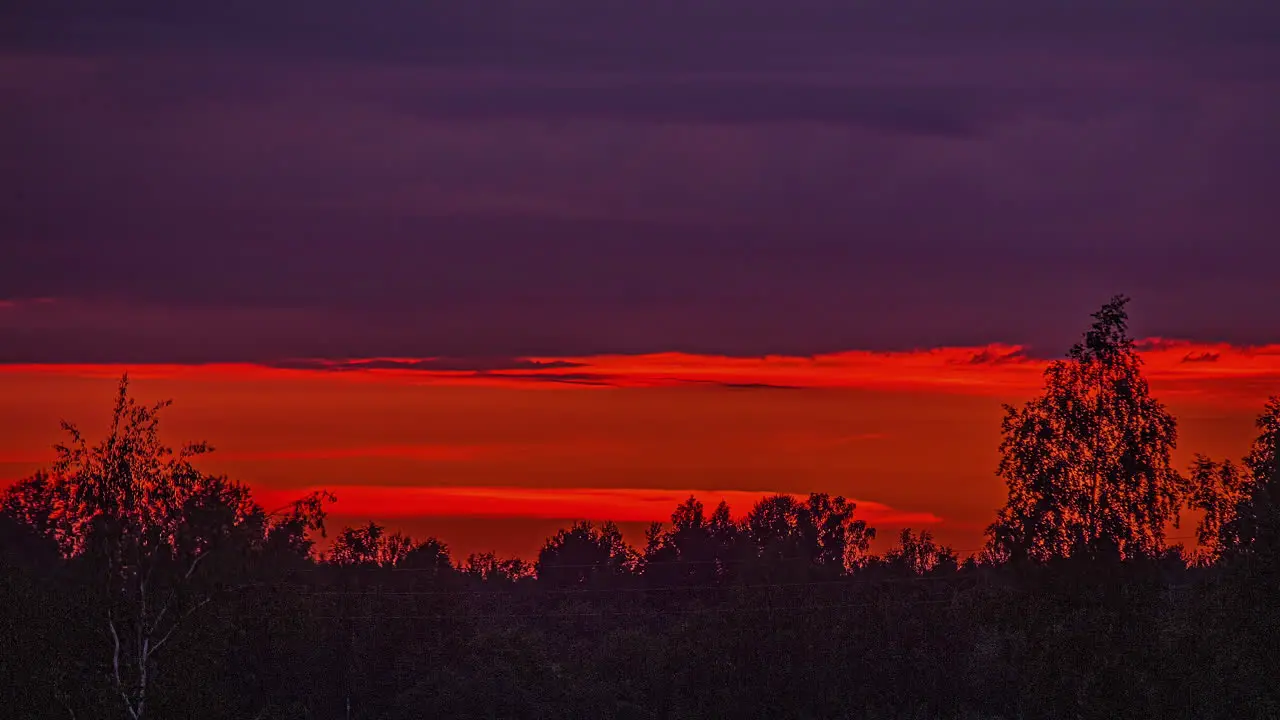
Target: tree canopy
[(1088, 463)]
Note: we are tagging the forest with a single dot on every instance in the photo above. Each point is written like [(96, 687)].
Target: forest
[(133, 585)]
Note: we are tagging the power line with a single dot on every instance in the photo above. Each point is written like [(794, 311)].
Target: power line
[(654, 612), (961, 554), (846, 582)]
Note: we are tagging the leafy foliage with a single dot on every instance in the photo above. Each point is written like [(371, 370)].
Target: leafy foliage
[(920, 555), (1242, 506), (145, 523), (585, 554), (1088, 463), (1218, 490)]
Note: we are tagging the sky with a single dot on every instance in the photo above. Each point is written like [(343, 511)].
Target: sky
[(584, 245)]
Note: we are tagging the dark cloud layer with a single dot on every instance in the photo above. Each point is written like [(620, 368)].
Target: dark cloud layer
[(492, 179)]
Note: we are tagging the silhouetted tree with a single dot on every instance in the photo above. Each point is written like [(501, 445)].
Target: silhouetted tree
[(1255, 529), (919, 555), (159, 535), (427, 555), (695, 550), (1217, 489), (841, 539), (289, 540), (32, 502), (371, 546), (585, 554), (365, 546), (488, 567), (1263, 460), (1088, 463), (24, 544), (821, 531)]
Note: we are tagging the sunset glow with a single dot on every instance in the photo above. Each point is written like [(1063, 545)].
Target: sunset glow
[(619, 437)]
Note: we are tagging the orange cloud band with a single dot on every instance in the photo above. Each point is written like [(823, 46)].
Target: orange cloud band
[(618, 504)]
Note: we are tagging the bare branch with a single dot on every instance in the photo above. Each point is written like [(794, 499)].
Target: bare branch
[(168, 601), (177, 623), (143, 661), (62, 698), (191, 570), (115, 666)]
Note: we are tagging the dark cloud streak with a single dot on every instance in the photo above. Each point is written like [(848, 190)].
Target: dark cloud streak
[(474, 365)]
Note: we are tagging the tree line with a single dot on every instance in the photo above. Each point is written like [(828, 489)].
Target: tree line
[(134, 585)]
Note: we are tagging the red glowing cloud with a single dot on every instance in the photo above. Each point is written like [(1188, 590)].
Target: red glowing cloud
[(618, 504)]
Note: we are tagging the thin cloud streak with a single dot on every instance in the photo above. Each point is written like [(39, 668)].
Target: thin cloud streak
[(428, 453), (434, 453), (1173, 366)]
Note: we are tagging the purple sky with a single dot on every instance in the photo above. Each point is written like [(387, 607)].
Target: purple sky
[(256, 181)]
